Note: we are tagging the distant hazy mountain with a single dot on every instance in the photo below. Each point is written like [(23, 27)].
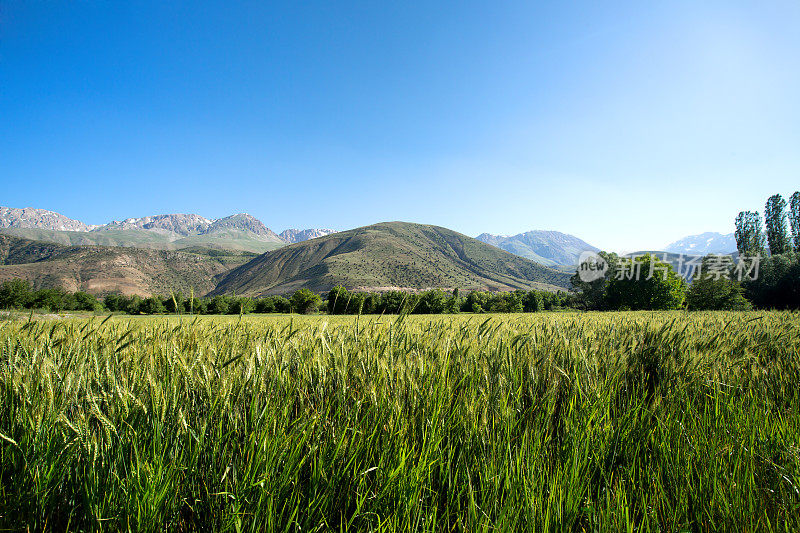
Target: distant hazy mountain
[(30, 217), (296, 235), (390, 255), (551, 248), (682, 263), (705, 243), (241, 232)]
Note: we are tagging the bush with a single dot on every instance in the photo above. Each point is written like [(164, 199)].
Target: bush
[(304, 301), (15, 294), (86, 302), (717, 292)]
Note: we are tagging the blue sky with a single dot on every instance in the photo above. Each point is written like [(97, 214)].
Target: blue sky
[(627, 124)]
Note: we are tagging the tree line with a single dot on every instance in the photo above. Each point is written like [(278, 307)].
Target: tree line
[(17, 294), (778, 282)]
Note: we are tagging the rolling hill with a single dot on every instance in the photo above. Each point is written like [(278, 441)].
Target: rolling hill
[(550, 248), (101, 270), (390, 255)]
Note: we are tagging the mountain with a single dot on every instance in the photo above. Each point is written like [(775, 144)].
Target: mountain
[(296, 235), (240, 232), (101, 270), (683, 264), (242, 222), (390, 255), (703, 244), (178, 224), (29, 217), (550, 248)]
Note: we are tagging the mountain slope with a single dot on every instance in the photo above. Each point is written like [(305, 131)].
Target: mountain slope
[(703, 244), (102, 270), (389, 255), (550, 248)]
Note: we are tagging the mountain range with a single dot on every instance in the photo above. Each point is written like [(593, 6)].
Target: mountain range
[(392, 255), (703, 244), (241, 232), (550, 248)]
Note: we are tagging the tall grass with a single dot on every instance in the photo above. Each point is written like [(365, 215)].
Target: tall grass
[(637, 421)]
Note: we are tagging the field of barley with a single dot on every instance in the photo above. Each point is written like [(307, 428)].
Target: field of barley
[(583, 422)]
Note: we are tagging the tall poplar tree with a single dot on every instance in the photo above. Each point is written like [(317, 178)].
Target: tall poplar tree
[(794, 219), (775, 219), (749, 234)]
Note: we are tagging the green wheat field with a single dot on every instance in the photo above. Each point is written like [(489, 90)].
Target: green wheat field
[(637, 421)]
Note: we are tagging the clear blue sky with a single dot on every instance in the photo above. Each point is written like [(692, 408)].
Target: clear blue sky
[(627, 124)]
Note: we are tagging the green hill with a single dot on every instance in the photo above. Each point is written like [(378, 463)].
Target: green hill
[(103, 269), (390, 255)]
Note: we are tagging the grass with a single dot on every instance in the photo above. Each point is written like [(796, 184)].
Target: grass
[(603, 422)]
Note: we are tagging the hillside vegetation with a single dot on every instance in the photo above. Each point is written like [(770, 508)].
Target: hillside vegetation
[(386, 256), (101, 270)]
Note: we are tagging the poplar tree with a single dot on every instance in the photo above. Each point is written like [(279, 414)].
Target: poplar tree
[(775, 219), (749, 234), (794, 219)]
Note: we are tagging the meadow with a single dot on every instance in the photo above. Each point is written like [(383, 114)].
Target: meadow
[(547, 421)]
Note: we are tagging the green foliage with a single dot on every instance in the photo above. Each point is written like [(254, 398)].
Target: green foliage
[(152, 306), (778, 283), (338, 300), (749, 234), (711, 290), (645, 283), (794, 219), (15, 294), (55, 300), (624, 422), (219, 305), (304, 301), (431, 303), (775, 220), (174, 303), (594, 294), (282, 305), (86, 302)]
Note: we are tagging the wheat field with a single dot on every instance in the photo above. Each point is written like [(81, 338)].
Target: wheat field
[(551, 421)]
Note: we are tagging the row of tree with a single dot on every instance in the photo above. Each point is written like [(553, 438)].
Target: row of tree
[(341, 301), (751, 238), (17, 294), (777, 283)]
